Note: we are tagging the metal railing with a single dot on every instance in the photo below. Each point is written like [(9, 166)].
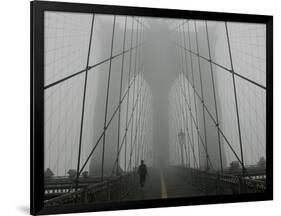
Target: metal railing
[(115, 188), (215, 183)]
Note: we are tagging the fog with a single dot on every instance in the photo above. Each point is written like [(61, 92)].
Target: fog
[(145, 81)]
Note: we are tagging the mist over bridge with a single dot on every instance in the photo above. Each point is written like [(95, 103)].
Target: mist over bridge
[(172, 92)]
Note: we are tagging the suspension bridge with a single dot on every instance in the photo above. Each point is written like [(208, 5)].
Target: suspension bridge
[(185, 96)]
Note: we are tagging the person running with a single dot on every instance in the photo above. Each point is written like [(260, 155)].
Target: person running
[(142, 171)]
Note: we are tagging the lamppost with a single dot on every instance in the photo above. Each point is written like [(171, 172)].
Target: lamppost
[(181, 137)]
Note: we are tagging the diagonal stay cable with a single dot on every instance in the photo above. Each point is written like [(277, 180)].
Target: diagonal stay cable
[(197, 128), (202, 92), (120, 92), (192, 146), (217, 125), (214, 94), (90, 67), (102, 134), (122, 143), (223, 67), (107, 98), (83, 106)]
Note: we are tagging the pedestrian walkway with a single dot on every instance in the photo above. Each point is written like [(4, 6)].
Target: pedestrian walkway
[(162, 184)]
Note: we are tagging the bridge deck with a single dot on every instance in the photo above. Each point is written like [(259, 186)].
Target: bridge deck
[(166, 183)]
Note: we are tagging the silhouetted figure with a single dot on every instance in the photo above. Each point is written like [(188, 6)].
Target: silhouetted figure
[(142, 171)]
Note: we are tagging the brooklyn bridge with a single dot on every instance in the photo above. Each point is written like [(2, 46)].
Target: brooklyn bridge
[(185, 96)]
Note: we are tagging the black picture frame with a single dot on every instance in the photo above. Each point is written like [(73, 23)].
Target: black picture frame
[(37, 105)]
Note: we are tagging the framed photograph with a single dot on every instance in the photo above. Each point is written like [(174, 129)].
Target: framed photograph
[(138, 107)]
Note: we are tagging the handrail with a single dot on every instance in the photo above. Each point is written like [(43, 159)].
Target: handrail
[(106, 190), (212, 182)]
